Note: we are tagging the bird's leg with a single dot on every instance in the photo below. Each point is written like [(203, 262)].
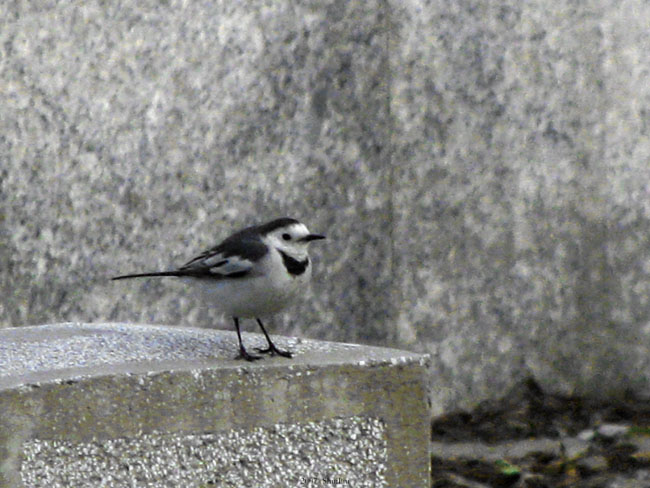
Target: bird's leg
[(242, 351), (271, 349)]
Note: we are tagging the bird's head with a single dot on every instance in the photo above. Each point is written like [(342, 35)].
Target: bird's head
[(289, 236)]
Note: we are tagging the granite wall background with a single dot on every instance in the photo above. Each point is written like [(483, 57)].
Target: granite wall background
[(481, 170)]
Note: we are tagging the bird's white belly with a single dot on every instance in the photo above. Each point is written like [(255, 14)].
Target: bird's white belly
[(251, 297)]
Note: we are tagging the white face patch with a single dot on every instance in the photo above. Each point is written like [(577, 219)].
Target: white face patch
[(290, 236), (288, 240)]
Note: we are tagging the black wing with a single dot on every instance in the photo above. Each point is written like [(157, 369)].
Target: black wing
[(233, 258)]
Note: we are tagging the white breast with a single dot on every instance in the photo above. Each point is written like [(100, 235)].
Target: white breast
[(268, 289)]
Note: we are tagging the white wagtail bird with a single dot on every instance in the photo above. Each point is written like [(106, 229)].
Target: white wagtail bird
[(253, 273)]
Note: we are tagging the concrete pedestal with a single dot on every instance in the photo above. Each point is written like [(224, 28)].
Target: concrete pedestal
[(89, 405)]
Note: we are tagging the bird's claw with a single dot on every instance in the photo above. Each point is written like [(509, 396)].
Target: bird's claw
[(243, 354), (272, 350)]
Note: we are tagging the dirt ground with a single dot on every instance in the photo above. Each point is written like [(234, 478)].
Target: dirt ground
[(531, 439)]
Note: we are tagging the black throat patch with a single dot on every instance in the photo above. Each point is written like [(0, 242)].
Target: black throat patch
[(294, 266)]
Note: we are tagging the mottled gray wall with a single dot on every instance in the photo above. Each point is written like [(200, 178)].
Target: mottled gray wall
[(481, 169)]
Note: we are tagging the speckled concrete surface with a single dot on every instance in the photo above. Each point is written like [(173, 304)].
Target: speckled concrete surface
[(136, 405), (337, 452), (159, 129), (480, 168), (58, 351), (526, 126)]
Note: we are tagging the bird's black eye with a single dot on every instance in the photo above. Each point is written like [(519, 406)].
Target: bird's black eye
[(286, 237)]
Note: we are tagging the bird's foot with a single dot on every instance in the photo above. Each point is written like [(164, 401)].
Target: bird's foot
[(272, 350), (243, 354)]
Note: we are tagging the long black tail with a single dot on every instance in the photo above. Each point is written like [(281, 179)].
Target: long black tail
[(144, 275)]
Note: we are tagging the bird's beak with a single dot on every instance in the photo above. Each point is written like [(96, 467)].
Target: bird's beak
[(312, 237)]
